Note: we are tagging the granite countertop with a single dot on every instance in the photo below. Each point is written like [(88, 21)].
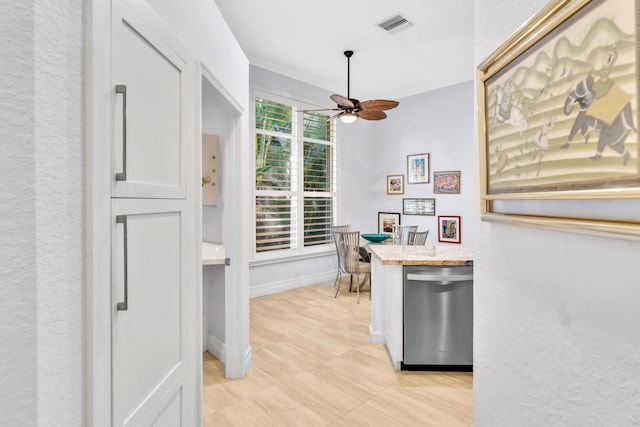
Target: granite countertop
[(417, 255)]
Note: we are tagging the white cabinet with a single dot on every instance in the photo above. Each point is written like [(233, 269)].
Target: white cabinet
[(153, 85), (153, 353), (150, 301)]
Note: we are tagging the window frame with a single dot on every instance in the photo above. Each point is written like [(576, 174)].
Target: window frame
[(297, 188)]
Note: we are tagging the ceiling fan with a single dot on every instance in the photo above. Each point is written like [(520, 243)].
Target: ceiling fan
[(350, 108)]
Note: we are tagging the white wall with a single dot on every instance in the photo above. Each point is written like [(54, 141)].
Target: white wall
[(557, 341), (214, 122), (439, 122), (59, 211), (18, 397), (41, 213), (357, 171), (201, 26)]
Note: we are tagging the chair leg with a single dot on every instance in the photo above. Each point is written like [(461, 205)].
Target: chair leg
[(338, 288), (335, 282), (358, 288)]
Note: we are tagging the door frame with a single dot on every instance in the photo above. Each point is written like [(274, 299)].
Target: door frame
[(238, 353), (98, 214)]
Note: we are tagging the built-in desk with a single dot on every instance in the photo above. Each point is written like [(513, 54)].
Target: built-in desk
[(212, 253), (386, 288)]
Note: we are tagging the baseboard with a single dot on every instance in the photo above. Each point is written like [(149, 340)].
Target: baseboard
[(217, 348), (289, 284)]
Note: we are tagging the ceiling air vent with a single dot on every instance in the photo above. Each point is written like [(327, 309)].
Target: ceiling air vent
[(395, 23)]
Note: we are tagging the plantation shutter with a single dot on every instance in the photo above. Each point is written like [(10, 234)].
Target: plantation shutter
[(318, 179), (295, 177)]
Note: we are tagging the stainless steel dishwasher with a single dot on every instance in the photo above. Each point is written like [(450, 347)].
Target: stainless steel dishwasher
[(438, 317)]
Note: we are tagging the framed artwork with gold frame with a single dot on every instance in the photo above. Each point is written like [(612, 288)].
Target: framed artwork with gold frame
[(395, 184), (558, 118)]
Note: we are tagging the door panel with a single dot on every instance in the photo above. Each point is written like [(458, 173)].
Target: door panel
[(170, 416), (150, 129), (149, 335)]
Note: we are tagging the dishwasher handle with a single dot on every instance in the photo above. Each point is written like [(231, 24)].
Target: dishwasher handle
[(445, 278)]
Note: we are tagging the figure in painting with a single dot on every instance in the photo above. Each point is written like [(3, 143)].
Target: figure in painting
[(508, 110), (540, 142), (604, 107)]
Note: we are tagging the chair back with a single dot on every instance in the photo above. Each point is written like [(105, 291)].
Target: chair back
[(346, 227), (401, 233), (348, 244), (417, 237), (334, 229)]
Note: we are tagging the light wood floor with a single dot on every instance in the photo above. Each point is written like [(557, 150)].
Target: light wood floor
[(313, 365)]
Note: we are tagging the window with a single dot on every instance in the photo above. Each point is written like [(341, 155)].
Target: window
[(295, 187)]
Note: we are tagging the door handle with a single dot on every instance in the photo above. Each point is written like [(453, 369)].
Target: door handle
[(124, 305), (122, 176), (440, 277)]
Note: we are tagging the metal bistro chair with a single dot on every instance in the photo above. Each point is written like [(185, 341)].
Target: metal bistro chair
[(334, 229), (348, 243), (401, 233), (417, 237)]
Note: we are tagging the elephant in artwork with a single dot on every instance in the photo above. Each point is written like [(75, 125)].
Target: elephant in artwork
[(605, 108)]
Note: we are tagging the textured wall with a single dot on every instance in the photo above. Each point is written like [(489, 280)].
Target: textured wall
[(557, 341), (59, 212), (41, 225), (18, 284)]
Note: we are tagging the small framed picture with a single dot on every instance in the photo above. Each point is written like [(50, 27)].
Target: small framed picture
[(419, 207), (446, 182), (418, 168), (395, 184), (449, 229), (386, 221)]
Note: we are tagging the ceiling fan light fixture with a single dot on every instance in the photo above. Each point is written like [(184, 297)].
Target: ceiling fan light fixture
[(348, 117), (350, 109)]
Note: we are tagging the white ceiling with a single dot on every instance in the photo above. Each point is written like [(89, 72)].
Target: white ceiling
[(306, 40)]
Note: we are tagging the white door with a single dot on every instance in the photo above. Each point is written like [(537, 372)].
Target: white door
[(150, 358), (153, 352), (152, 76)]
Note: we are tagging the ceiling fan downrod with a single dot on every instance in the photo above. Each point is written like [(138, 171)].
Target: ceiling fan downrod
[(348, 54)]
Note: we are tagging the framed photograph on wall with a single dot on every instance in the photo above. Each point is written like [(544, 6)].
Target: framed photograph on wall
[(419, 207), (446, 182), (418, 168), (395, 184), (386, 221), (449, 229)]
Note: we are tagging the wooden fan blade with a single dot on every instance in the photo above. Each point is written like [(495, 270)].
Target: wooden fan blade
[(378, 104), (371, 114), (342, 101)]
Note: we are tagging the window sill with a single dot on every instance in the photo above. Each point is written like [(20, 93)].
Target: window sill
[(291, 257)]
